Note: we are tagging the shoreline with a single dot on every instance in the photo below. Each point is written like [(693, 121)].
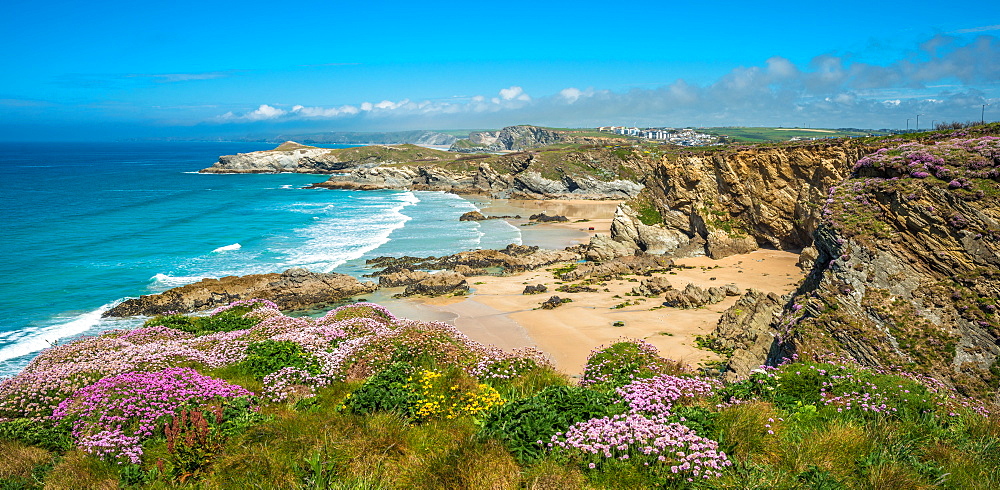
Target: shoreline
[(496, 312)]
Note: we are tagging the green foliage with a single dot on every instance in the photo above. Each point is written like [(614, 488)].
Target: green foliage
[(623, 362), (41, 433), (268, 356), (225, 321), (521, 424), (387, 391)]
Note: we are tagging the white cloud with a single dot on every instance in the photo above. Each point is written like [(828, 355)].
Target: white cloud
[(943, 76)]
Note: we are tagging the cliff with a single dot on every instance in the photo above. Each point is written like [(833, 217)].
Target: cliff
[(511, 138), (578, 173), (294, 157), (744, 197), (907, 270)]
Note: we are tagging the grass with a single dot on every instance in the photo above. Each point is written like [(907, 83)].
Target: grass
[(788, 430), (772, 135)]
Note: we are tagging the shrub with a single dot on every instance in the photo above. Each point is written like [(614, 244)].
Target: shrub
[(268, 356), (386, 391), (671, 451), (623, 362), (521, 424), (41, 433)]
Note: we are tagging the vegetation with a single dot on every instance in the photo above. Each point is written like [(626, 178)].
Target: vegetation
[(771, 135), (360, 399)]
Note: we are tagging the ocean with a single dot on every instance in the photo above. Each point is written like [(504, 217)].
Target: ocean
[(86, 225)]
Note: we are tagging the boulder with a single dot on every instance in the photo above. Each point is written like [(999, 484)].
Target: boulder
[(653, 286), (446, 282), (473, 216), (552, 302), (720, 244), (404, 277), (537, 289)]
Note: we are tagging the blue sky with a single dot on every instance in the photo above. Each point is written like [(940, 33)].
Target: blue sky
[(111, 70)]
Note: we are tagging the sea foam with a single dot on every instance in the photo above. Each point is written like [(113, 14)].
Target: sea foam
[(235, 246)]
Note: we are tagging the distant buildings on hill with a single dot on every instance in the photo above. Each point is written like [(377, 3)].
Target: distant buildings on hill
[(684, 137)]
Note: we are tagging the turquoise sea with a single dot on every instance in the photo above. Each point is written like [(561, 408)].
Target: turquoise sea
[(85, 225)]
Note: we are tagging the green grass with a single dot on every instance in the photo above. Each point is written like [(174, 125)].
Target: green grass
[(771, 135)]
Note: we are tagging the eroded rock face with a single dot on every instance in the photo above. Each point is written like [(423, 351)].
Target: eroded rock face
[(908, 267), (652, 286), (767, 193), (748, 329), (294, 289), (403, 277), (693, 296), (720, 244), (445, 282), (631, 265)]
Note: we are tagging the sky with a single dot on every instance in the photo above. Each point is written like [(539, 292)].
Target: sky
[(111, 70)]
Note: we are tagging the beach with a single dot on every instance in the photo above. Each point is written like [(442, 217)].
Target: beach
[(496, 312)]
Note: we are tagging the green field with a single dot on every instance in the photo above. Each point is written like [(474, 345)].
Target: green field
[(770, 135)]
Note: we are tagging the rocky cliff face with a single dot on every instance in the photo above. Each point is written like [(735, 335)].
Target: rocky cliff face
[(744, 197), (511, 138), (574, 174), (908, 268), (293, 157)]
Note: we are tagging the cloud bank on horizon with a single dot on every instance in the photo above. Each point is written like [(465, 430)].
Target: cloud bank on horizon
[(944, 78)]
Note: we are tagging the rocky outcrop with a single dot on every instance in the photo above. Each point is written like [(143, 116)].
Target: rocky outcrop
[(748, 330), (294, 157), (721, 244), (737, 198), (537, 289), (473, 216), (621, 266), (445, 282), (544, 218), (513, 258), (552, 302), (511, 138), (403, 277), (653, 286), (483, 180), (908, 266), (693, 296), (294, 289)]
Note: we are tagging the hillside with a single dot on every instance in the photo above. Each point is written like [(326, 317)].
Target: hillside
[(358, 398)]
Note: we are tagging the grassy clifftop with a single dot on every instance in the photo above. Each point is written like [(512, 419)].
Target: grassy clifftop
[(251, 398)]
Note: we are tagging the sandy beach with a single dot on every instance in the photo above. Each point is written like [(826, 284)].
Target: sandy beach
[(496, 312)]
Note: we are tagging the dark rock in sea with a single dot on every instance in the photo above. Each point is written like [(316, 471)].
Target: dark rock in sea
[(544, 218), (537, 289), (294, 289), (473, 216)]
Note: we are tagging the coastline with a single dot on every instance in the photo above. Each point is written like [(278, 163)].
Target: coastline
[(496, 312)]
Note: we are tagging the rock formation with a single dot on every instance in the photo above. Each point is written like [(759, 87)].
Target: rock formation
[(908, 267), (294, 157), (445, 282), (294, 289)]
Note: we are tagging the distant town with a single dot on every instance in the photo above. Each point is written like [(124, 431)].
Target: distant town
[(684, 136)]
